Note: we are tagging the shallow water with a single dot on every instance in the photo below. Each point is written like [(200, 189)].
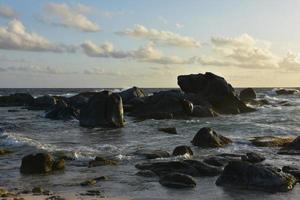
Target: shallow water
[(26, 131)]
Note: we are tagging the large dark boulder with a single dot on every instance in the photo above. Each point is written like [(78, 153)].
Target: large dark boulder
[(104, 109), (208, 138), (177, 180), (43, 103), (17, 99), (40, 163), (163, 104), (247, 94), (80, 100), (131, 94), (215, 90), (245, 175), (62, 111)]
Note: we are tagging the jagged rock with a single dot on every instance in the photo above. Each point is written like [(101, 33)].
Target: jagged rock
[(104, 109), (206, 137), (248, 94), (245, 175), (272, 141), (253, 157), (177, 180), (170, 130), (182, 150), (61, 110)]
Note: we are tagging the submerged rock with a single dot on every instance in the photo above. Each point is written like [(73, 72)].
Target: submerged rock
[(101, 161), (247, 94), (292, 148), (170, 130), (94, 181), (206, 137), (153, 154), (104, 109), (245, 175), (146, 173), (4, 152), (40, 163), (253, 157), (286, 91), (177, 180), (272, 141), (62, 111), (182, 150)]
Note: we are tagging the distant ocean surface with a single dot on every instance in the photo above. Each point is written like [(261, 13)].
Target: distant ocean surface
[(28, 131)]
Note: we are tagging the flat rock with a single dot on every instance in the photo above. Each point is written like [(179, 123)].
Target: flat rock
[(272, 141), (177, 180), (253, 157), (170, 130)]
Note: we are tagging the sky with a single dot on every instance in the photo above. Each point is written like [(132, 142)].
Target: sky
[(148, 43)]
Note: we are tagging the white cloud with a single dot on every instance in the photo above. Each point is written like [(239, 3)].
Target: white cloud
[(35, 69), (7, 12), (67, 16), (243, 40), (291, 62), (16, 37), (99, 71), (179, 25), (144, 54), (162, 37)]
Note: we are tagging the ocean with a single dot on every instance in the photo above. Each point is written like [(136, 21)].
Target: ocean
[(25, 132)]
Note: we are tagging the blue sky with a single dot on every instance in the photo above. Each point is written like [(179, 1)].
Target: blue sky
[(120, 43)]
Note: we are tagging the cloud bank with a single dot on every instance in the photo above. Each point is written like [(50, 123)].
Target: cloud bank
[(7, 12)]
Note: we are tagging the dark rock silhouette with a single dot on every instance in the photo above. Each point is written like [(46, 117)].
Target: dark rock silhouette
[(177, 180), (248, 94), (61, 110), (182, 150), (17, 99)]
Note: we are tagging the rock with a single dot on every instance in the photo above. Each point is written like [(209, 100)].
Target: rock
[(182, 150), (37, 190), (203, 168), (163, 105), (17, 99), (4, 152), (153, 154), (253, 157), (43, 103), (62, 111), (80, 100), (146, 173), (201, 111), (58, 165), (40, 163), (295, 171), (177, 180), (104, 109), (215, 90), (217, 161), (132, 93), (245, 175), (101, 161), (292, 148), (164, 168), (89, 182), (286, 91), (170, 130), (206, 138), (272, 141), (247, 94)]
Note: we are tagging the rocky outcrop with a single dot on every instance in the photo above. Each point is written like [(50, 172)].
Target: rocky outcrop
[(214, 90), (272, 141), (17, 99), (245, 175), (292, 148), (104, 109), (40, 163), (80, 100), (43, 103), (131, 94), (247, 94), (286, 91), (208, 138), (61, 110), (177, 180), (182, 150)]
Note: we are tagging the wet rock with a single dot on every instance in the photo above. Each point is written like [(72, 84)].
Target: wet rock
[(170, 130), (203, 168), (272, 141), (43, 103), (253, 157), (4, 152), (80, 100), (104, 109), (37, 190), (146, 173), (17, 99), (182, 150), (217, 161), (215, 90), (89, 182), (177, 180), (295, 171), (101, 161), (206, 137), (39, 163), (292, 148), (247, 94), (58, 165), (245, 175), (286, 91), (153, 154), (132, 93), (62, 111), (163, 105), (202, 111)]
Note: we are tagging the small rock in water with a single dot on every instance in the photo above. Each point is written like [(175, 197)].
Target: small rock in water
[(90, 182), (170, 130), (182, 150), (295, 171), (292, 148), (206, 137), (248, 94), (253, 157), (286, 91), (101, 161), (37, 190), (177, 180), (217, 161), (4, 152), (146, 173), (153, 154), (203, 168), (272, 141)]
